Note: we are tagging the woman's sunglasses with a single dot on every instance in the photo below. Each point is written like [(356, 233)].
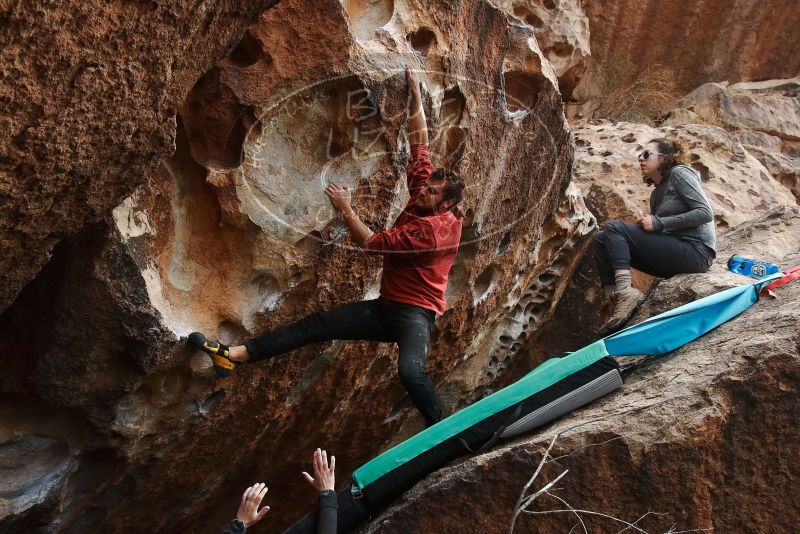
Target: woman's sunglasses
[(647, 153)]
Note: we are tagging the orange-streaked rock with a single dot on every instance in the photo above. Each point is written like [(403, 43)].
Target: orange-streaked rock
[(89, 92), (233, 235)]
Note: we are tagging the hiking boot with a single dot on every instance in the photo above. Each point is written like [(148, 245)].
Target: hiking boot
[(220, 354), (609, 290), (625, 303)]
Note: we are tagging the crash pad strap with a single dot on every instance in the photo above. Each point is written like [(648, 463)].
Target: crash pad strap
[(789, 275)]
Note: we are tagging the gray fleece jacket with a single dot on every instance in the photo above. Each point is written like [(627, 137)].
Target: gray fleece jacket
[(680, 207)]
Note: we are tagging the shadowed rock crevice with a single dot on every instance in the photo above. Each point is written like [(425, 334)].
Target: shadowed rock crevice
[(39, 448), (69, 303), (483, 284), (523, 13), (522, 90), (452, 131), (248, 52), (216, 123), (57, 457), (423, 41)]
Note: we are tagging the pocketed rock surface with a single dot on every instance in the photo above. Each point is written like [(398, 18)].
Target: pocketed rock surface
[(598, 48), (701, 438), (162, 172), (737, 183), (764, 116), (89, 93), (112, 422)]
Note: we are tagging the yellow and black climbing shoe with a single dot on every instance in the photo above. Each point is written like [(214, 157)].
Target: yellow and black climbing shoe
[(220, 355)]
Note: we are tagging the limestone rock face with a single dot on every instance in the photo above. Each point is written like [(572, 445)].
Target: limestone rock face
[(738, 185), (619, 48), (562, 30), (126, 428), (691, 42), (702, 438), (764, 116), (89, 93)]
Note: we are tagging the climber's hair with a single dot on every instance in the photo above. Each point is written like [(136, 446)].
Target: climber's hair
[(673, 153), (453, 186)]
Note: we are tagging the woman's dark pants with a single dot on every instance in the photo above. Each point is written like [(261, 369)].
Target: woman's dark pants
[(622, 245)]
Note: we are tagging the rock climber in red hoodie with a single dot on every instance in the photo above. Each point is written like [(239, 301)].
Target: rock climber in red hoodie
[(418, 252)]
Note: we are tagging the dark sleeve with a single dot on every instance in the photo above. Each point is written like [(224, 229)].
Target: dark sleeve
[(326, 515), (419, 169), (234, 527), (687, 185)]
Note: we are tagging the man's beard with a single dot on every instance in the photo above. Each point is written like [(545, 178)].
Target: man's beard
[(424, 209)]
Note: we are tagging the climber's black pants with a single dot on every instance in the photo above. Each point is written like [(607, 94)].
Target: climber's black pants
[(370, 320), (622, 245)]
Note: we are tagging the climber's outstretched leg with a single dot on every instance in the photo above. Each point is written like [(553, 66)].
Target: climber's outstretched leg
[(381, 319), (355, 321)]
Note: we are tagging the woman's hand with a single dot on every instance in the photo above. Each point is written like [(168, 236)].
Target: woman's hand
[(323, 472), (646, 223), (340, 198), (248, 513)]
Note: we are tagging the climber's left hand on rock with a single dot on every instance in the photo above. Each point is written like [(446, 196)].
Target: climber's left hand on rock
[(340, 197)]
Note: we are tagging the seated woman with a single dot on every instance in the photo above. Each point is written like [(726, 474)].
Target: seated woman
[(677, 237)]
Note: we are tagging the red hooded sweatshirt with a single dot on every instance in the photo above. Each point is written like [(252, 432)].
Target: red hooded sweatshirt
[(420, 248)]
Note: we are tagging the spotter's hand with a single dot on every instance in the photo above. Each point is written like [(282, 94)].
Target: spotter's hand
[(248, 513), (324, 477), (340, 197)]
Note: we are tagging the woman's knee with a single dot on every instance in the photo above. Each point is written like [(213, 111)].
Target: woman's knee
[(599, 239), (614, 226)]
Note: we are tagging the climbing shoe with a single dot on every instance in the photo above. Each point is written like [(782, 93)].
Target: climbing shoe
[(220, 354), (625, 303)]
